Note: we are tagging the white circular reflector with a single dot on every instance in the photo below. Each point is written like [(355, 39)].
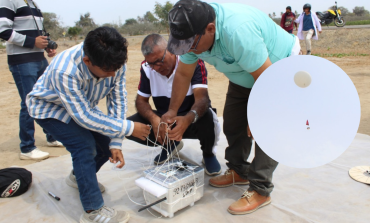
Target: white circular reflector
[(360, 174), (304, 127)]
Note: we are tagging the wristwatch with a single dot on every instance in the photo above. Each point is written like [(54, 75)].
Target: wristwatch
[(196, 115)]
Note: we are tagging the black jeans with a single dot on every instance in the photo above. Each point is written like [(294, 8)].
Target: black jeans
[(203, 129), (260, 171)]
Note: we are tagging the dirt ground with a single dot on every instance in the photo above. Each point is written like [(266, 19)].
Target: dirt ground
[(331, 41)]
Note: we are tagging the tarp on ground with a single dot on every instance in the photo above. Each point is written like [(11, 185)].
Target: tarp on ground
[(323, 194)]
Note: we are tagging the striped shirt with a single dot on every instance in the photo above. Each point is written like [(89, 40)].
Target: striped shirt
[(67, 89), (18, 28)]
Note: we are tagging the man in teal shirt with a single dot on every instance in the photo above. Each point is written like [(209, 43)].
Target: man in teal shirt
[(241, 42)]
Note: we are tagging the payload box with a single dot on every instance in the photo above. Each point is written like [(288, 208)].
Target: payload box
[(179, 182)]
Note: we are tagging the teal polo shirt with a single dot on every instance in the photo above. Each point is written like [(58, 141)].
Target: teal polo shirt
[(245, 37)]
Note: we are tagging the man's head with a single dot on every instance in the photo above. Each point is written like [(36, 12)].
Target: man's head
[(307, 8), (105, 51), (288, 9), (154, 49), (192, 27)]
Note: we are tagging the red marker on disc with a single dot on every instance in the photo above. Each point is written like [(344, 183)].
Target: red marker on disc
[(307, 123)]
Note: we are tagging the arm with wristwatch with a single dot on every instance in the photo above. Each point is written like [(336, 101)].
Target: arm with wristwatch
[(199, 108)]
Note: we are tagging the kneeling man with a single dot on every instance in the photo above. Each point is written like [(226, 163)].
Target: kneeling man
[(197, 120), (64, 102)]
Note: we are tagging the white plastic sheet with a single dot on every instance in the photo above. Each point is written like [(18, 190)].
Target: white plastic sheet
[(323, 194)]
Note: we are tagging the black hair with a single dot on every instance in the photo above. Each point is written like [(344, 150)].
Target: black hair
[(106, 48), (288, 7)]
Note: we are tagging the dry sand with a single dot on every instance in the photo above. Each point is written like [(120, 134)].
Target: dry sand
[(331, 41)]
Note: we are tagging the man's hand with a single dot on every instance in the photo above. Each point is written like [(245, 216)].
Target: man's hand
[(141, 131), (249, 133), (51, 52), (320, 32), (162, 130), (182, 123), (117, 156), (41, 42), (169, 116)]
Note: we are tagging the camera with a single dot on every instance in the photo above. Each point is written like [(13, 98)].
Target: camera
[(51, 44)]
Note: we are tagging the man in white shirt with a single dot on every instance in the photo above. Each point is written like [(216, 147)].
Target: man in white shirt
[(197, 119)]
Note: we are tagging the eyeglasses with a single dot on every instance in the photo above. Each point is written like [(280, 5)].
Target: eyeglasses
[(157, 63), (195, 47)]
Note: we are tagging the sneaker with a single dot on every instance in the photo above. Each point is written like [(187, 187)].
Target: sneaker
[(35, 154), (228, 179), (72, 182), (212, 165), (54, 144), (173, 151), (106, 215), (250, 202), (308, 52)]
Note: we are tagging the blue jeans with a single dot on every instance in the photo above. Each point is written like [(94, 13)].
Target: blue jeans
[(25, 76), (89, 151)]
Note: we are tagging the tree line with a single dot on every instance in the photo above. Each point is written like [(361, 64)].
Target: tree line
[(156, 22), (152, 22)]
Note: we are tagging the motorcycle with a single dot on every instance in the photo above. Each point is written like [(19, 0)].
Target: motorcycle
[(330, 15)]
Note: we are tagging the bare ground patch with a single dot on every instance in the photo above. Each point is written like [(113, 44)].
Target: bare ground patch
[(331, 41)]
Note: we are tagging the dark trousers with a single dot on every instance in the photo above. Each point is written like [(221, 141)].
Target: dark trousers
[(89, 151), (203, 129), (260, 171), (25, 76)]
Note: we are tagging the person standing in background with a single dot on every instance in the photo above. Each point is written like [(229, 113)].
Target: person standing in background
[(25, 48), (287, 20), (309, 24)]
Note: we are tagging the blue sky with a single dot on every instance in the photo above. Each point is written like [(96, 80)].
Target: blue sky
[(108, 11)]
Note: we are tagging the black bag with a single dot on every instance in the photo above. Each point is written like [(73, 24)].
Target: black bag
[(14, 181)]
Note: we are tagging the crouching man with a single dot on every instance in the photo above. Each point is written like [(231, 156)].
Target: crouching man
[(196, 118), (64, 102)]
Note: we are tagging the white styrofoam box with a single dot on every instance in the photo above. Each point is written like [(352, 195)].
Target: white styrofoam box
[(184, 183), (150, 186)]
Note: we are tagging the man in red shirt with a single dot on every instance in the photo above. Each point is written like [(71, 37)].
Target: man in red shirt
[(287, 20)]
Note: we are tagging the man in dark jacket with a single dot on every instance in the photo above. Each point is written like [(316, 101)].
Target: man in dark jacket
[(287, 20)]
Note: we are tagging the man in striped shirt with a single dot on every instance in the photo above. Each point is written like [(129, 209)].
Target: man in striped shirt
[(25, 48), (196, 118), (64, 102)]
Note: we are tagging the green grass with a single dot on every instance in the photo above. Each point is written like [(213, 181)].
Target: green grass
[(1, 46), (340, 55), (361, 22), (353, 23)]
